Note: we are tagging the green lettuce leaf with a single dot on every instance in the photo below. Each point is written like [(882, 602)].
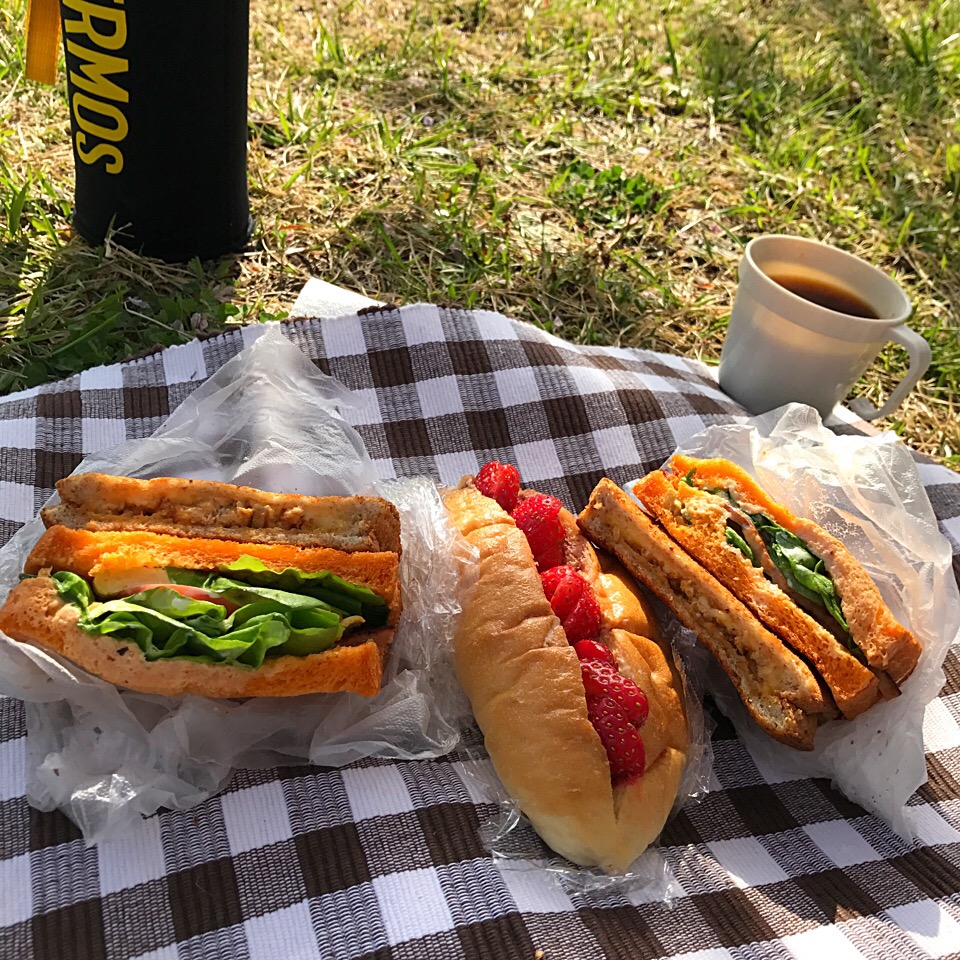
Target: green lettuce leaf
[(804, 571), (736, 540), (73, 589), (165, 625), (339, 594), (290, 612)]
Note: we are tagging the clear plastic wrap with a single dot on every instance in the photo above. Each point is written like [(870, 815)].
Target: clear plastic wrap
[(106, 757), (866, 491)]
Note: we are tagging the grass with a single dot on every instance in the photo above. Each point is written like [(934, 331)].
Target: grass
[(594, 166)]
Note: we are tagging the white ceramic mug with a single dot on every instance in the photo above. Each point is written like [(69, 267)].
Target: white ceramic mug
[(781, 347)]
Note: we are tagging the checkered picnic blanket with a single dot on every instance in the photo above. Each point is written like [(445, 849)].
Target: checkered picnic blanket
[(382, 859)]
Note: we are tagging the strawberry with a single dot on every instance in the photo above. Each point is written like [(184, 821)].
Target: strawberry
[(573, 601), (602, 680), (500, 482), (539, 518), (593, 650), (623, 745)]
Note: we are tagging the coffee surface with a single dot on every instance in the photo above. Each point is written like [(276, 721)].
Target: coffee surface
[(826, 294)]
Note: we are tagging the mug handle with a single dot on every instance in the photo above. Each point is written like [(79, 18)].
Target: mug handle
[(919, 352)]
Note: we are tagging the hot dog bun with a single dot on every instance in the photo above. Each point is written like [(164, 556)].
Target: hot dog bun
[(524, 683)]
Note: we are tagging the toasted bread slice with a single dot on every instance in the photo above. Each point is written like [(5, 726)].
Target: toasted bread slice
[(778, 689), (698, 522), (35, 614), (887, 644), (204, 508)]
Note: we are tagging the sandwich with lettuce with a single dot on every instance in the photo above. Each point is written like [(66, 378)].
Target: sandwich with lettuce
[(789, 613), (172, 586)]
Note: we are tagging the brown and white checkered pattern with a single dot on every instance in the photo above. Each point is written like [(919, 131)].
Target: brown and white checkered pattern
[(383, 859)]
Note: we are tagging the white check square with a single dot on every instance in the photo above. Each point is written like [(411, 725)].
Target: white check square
[(18, 433), (952, 527), (134, 858), (383, 469), (102, 378), (747, 862), (931, 827), (940, 730), (412, 905), (256, 817), (439, 397), (590, 379), (365, 407), (422, 325), (929, 925), (517, 387), (376, 792), (683, 428), (16, 904), (671, 360), (102, 434), (184, 363), (163, 953), (452, 466), (283, 933), (822, 943), (714, 953), (841, 842), (254, 331), (16, 501), (533, 891), (616, 447), (344, 337), (13, 763), (479, 779), (537, 461), (494, 326)]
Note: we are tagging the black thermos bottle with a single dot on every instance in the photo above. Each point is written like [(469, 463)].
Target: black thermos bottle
[(158, 114)]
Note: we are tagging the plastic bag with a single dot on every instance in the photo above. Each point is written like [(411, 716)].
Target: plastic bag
[(867, 492), (105, 756)]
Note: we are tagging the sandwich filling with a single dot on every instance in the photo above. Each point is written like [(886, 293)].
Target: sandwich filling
[(241, 612), (787, 560)]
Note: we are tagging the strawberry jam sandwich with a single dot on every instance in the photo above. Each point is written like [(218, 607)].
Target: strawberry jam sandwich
[(570, 681), (173, 586)]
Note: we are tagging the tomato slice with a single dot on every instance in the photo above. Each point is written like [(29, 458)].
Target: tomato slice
[(193, 593)]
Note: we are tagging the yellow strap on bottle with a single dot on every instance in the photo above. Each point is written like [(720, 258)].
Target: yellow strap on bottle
[(43, 40)]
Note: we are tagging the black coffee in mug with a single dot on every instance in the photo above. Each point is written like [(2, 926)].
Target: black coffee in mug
[(158, 112), (822, 292)]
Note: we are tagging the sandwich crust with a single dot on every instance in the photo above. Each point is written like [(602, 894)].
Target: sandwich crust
[(35, 614), (777, 688), (205, 508), (886, 643), (524, 684), (698, 523)]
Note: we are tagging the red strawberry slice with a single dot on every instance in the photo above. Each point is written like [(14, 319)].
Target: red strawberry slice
[(593, 650), (500, 482), (539, 518), (573, 601), (623, 745), (602, 680)]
